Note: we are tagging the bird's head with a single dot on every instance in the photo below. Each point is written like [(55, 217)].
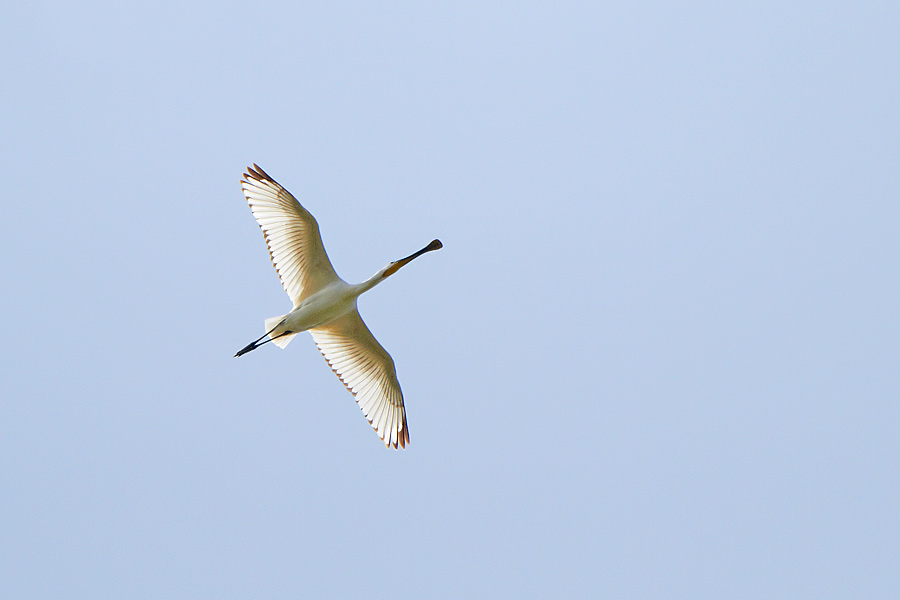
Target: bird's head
[(395, 265)]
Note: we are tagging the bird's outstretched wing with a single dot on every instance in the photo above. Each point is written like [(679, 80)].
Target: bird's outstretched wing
[(367, 370), (292, 236)]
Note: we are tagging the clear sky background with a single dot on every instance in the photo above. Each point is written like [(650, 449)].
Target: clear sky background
[(657, 356)]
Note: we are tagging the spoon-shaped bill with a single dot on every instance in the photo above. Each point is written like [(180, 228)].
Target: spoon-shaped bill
[(395, 266)]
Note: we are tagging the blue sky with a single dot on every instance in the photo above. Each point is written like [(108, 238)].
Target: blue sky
[(657, 356)]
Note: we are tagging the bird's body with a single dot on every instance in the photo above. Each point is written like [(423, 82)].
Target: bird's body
[(325, 305), (321, 308)]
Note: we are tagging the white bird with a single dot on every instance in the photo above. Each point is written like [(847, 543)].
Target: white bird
[(325, 305)]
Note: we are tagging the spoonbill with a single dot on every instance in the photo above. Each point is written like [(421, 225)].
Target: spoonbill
[(325, 305)]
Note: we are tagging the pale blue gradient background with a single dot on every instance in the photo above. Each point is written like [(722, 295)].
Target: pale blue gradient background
[(657, 356)]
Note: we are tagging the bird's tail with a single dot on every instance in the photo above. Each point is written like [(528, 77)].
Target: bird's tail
[(279, 340)]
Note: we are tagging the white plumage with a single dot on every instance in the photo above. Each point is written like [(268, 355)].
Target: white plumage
[(325, 305)]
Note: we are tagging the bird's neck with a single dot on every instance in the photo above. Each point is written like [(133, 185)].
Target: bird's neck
[(369, 283)]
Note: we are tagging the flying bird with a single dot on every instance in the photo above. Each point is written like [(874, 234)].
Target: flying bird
[(325, 305)]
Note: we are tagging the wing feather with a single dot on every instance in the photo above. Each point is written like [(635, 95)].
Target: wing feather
[(367, 371), (292, 236)]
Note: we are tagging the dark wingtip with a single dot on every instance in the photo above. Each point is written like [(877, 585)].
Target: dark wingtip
[(435, 245), (256, 172)]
